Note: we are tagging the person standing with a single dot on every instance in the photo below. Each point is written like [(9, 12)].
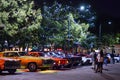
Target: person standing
[(105, 59), (112, 58), (100, 60), (94, 56)]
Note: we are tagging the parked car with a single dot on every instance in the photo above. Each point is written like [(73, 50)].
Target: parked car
[(74, 60), (86, 59), (117, 59), (29, 62), (10, 65), (58, 62)]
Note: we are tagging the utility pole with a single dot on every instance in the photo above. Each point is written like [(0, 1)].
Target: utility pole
[(100, 31), (1, 36), (69, 35)]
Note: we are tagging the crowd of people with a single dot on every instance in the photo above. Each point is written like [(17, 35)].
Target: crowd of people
[(99, 58)]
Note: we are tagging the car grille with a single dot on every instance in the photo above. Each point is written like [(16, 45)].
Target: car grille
[(73, 59), (12, 64), (63, 62), (49, 61)]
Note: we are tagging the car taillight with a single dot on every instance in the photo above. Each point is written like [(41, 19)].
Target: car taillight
[(59, 62), (67, 61)]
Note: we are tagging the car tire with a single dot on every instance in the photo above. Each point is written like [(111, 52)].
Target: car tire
[(116, 61), (56, 67), (12, 71), (81, 63), (32, 67), (0, 71)]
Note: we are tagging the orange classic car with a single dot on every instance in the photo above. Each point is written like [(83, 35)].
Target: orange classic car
[(58, 62), (9, 65), (29, 62)]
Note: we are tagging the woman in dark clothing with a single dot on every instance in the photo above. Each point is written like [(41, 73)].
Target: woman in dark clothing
[(100, 61)]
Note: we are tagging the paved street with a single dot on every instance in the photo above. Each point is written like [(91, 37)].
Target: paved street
[(110, 72)]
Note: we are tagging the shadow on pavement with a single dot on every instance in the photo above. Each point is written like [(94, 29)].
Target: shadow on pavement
[(107, 77), (5, 74)]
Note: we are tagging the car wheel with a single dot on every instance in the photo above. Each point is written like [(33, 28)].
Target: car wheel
[(56, 67), (116, 61), (32, 67), (81, 63), (0, 71), (12, 71)]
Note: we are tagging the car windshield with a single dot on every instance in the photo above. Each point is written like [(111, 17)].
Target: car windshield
[(10, 54), (53, 54), (14, 54), (22, 53)]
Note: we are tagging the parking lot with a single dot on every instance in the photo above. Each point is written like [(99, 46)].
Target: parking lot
[(110, 72)]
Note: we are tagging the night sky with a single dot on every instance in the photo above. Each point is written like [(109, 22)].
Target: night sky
[(106, 11), (108, 7)]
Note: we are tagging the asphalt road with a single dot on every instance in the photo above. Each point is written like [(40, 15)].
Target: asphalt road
[(110, 72)]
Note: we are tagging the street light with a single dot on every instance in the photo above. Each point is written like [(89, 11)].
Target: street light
[(100, 31), (109, 22), (82, 8)]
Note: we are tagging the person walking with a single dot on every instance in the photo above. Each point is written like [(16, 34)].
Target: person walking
[(94, 57), (112, 58), (105, 59), (100, 60)]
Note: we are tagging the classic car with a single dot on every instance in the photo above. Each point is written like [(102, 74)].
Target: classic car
[(29, 62), (58, 62), (10, 65), (73, 59)]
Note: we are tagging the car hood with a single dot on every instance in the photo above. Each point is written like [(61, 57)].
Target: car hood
[(9, 59), (30, 57)]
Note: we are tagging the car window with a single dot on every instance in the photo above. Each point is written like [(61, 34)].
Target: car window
[(42, 54), (22, 53), (11, 54), (5, 54)]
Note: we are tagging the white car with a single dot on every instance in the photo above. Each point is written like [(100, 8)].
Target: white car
[(117, 59), (87, 60)]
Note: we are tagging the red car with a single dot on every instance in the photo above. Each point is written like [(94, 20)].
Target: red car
[(58, 62)]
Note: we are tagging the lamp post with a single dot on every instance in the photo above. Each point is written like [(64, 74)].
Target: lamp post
[(81, 8), (1, 36), (69, 35), (99, 36), (100, 30)]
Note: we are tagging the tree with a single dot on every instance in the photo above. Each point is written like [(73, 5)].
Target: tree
[(21, 19), (117, 37), (56, 21), (108, 40)]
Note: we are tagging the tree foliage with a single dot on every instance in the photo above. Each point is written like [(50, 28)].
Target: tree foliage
[(24, 23), (20, 18), (59, 20), (117, 37)]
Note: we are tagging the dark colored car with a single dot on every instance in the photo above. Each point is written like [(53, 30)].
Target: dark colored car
[(72, 59)]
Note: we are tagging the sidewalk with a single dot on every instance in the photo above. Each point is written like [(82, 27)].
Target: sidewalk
[(110, 72)]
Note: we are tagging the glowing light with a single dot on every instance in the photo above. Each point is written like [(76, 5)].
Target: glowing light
[(109, 22), (82, 8)]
